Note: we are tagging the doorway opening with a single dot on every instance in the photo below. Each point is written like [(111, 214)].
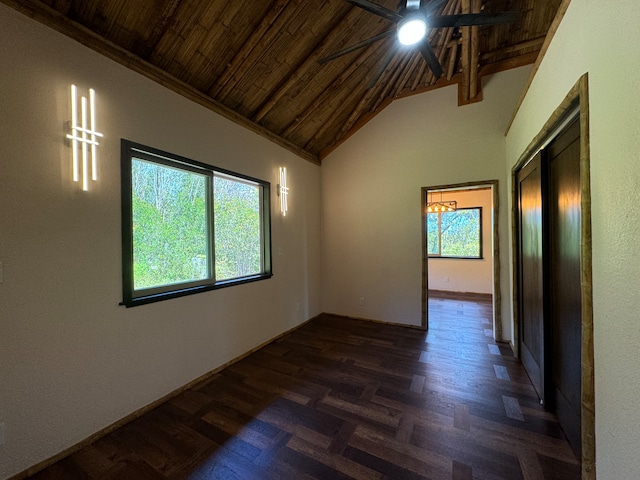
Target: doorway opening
[(454, 258)]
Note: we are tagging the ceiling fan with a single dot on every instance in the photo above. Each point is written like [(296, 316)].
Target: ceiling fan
[(414, 21)]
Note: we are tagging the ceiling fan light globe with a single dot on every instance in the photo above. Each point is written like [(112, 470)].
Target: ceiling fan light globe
[(412, 29)]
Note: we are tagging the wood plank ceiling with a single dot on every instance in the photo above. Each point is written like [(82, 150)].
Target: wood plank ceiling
[(256, 62)]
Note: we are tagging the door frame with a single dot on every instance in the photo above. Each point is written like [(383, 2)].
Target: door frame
[(577, 98), (496, 297)]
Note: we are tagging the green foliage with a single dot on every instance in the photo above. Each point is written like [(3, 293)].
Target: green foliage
[(171, 241), (169, 225), (237, 229), (433, 238), (454, 234)]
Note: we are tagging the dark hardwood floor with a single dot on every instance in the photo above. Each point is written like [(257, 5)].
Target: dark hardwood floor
[(349, 399)]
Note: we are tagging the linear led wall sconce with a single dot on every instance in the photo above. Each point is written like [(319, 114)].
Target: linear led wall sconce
[(83, 137), (283, 191)]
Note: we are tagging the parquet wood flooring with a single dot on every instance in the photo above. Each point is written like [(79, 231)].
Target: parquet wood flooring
[(349, 399)]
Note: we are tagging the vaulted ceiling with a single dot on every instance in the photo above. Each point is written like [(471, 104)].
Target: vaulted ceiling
[(256, 61)]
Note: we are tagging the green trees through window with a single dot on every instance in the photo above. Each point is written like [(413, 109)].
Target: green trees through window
[(188, 227), (455, 234), (237, 228), (170, 231)]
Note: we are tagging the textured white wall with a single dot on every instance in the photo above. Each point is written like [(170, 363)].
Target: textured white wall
[(71, 360), (596, 38), (371, 186), (466, 275)]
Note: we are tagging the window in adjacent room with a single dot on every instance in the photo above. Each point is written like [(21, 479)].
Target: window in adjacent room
[(455, 234), (189, 227)]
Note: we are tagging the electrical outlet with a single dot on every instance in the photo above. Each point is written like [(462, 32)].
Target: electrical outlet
[(1, 433), (446, 279), (298, 307), (362, 301)]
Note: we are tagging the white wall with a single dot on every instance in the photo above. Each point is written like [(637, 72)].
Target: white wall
[(371, 185), (601, 39), (466, 275), (71, 360)]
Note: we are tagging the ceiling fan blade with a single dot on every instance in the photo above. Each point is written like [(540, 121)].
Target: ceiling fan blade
[(431, 59), (356, 46), (473, 19), (383, 66), (377, 10)]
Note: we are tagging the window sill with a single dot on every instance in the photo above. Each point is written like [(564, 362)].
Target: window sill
[(454, 258), (158, 297)]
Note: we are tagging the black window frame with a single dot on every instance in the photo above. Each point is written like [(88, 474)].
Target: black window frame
[(455, 257), (131, 150)]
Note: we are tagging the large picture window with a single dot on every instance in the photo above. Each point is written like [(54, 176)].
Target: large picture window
[(455, 234), (188, 227)]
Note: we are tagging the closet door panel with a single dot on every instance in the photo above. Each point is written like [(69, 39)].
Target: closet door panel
[(531, 271), (564, 272)]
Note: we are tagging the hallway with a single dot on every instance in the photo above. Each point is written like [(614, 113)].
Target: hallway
[(342, 398)]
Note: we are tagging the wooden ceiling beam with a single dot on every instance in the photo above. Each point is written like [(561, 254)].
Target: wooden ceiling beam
[(394, 76), (441, 47), (268, 29), (63, 6), (453, 59), (419, 76), (50, 17), (359, 111), (535, 43), (410, 67), (325, 95), (553, 28), (470, 88), (447, 34), (444, 36), (357, 121), (361, 122), (363, 108), (389, 77), (445, 39), (508, 64), (465, 55), (474, 53), (490, 69), (159, 28), (269, 73), (310, 62), (418, 68), (327, 125)]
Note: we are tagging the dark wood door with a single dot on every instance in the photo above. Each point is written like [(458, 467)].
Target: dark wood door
[(564, 280), (531, 272)]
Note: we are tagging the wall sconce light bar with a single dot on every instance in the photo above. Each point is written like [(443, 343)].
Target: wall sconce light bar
[(283, 191), (85, 135)]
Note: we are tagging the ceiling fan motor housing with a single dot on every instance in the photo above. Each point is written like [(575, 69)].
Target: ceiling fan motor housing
[(412, 28)]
